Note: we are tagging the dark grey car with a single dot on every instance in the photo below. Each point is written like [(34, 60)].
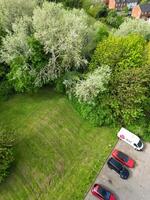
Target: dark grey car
[(118, 167)]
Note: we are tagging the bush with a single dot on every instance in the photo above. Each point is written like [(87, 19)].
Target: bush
[(129, 82), (102, 12), (95, 83), (113, 19), (14, 9), (119, 52), (69, 81), (7, 141), (43, 54), (97, 33), (134, 26), (98, 114), (69, 3), (97, 10), (59, 86), (6, 90), (102, 33)]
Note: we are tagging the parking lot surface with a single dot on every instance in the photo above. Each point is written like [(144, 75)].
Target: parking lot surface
[(137, 186)]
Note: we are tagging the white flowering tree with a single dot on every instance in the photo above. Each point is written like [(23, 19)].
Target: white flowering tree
[(10, 10), (62, 33), (134, 26), (87, 90), (15, 51), (42, 48), (15, 43)]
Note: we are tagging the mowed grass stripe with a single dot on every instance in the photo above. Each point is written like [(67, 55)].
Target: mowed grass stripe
[(58, 154)]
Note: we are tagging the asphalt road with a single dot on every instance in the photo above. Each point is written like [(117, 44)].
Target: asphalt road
[(137, 186)]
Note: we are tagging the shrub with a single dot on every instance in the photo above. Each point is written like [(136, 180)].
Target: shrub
[(97, 10), (87, 90), (113, 19), (69, 3), (69, 81), (129, 81), (128, 92), (10, 10), (134, 26), (98, 114), (102, 12), (97, 33), (7, 141), (6, 90), (119, 52)]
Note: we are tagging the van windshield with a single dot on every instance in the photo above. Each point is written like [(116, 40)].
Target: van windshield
[(139, 143)]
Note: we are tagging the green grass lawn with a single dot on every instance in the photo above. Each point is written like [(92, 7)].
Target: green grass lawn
[(58, 154)]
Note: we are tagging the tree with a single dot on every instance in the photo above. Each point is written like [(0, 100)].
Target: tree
[(128, 92), (87, 90), (10, 10), (7, 142), (97, 9), (42, 50), (119, 52), (107, 53), (134, 26), (128, 85), (147, 52), (63, 34), (97, 32), (69, 3), (15, 51), (113, 19), (15, 43)]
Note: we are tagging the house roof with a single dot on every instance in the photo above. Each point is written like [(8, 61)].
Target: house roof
[(127, 1), (145, 7)]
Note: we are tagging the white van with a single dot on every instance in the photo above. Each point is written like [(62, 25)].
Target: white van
[(130, 138)]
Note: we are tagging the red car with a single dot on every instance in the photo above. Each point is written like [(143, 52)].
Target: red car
[(101, 193), (123, 158)]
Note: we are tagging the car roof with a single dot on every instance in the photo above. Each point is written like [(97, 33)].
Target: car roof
[(115, 163), (128, 134)]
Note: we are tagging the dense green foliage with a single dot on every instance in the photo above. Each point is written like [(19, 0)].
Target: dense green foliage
[(124, 99), (43, 49), (40, 52), (99, 113), (134, 26), (7, 139), (120, 52), (94, 55), (69, 3), (14, 9), (96, 9), (87, 90), (113, 19)]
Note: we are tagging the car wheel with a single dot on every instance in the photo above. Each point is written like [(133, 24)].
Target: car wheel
[(110, 167), (122, 177)]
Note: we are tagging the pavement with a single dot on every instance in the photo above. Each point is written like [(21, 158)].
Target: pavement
[(137, 186)]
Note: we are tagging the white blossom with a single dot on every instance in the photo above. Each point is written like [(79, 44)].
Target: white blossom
[(62, 33), (135, 26), (95, 83)]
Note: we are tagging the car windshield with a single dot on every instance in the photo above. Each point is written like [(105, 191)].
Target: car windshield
[(139, 143), (123, 156), (117, 165), (104, 193)]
